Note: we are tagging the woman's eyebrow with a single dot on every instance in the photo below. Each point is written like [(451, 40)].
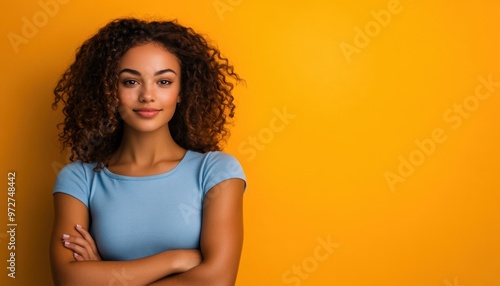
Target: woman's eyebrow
[(165, 71), (137, 73), (134, 72)]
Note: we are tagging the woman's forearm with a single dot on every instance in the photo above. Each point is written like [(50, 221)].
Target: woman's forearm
[(205, 274), (71, 221), (134, 272)]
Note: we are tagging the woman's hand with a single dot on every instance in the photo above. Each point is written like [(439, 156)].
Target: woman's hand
[(84, 248)]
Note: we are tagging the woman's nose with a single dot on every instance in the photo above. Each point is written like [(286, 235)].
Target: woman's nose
[(147, 95)]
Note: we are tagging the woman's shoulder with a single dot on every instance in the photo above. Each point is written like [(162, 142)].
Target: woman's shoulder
[(77, 168), (219, 162), (214, 157), (74, 179), (215, 167)]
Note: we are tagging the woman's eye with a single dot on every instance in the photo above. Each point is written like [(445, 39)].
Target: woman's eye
[(164, 82), (130, 82)]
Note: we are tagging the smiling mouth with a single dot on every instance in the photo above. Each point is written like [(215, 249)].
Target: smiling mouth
[(147, 112)]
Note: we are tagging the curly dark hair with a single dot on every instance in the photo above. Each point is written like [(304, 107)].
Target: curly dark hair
[(88, 90)]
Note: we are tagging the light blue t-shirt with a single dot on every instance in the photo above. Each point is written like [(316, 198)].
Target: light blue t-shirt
[(134, 217)]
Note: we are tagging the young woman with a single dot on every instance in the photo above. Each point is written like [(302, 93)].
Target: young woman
[(149, 198)]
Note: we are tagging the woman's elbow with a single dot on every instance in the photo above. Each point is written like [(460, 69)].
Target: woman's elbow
[(219, 274)]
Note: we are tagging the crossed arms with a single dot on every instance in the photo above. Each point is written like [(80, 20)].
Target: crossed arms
[(75, 260)]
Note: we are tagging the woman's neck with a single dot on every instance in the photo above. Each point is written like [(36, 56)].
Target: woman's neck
[(146, 148)]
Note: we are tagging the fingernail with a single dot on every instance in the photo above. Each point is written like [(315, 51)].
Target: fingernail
[(78, 226), (65, 236), (75, 254), (66, 243)]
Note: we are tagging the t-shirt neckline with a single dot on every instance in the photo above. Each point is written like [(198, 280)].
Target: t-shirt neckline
[(148, 177)]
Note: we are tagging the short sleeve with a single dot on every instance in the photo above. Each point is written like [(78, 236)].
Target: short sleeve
[(72, 180), (218, 167)]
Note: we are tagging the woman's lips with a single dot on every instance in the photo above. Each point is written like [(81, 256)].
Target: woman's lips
[(147, 112)]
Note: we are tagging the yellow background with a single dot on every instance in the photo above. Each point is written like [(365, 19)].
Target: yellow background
[(319, 174)]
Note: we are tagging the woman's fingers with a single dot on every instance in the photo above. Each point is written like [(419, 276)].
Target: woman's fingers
[(77, 249), (78, 257), (78, 241), (84, 247), (86, 235)]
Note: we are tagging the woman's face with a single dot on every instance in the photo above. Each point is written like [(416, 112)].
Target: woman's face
[(148, 88)]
